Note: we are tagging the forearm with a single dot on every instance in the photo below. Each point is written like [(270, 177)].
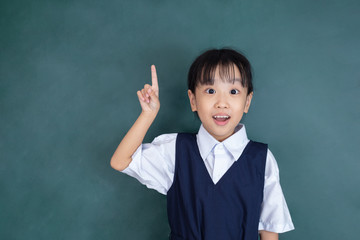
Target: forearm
[(150, 105), (132, 140), (265, 235)]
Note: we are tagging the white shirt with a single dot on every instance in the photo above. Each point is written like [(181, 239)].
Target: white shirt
[(153, 164)]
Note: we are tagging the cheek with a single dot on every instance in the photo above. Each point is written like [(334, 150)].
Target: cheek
[(239, 109), (200, 110), (202, 104), (203, 109)]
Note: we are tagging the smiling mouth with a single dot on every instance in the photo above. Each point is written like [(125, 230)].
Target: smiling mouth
[(221, 119)]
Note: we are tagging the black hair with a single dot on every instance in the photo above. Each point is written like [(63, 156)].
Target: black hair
[(202, 70)]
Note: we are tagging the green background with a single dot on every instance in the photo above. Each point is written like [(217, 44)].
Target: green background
[(69, 73)]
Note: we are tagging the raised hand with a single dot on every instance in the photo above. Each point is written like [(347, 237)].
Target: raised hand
[(149, 101), (149, 95)]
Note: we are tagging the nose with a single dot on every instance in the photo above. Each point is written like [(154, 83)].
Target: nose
[(221, 101)]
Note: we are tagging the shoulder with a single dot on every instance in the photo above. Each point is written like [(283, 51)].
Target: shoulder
[(163, 144), (259, 144), (165, 138), (271, 164), (259, 148), (270, 159), (186, 137)]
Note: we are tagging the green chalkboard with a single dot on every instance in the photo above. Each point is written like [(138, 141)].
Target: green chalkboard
[(69, 72)]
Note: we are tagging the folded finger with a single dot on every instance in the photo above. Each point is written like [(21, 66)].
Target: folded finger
[(140, 96), (145, 95), (147, 87)]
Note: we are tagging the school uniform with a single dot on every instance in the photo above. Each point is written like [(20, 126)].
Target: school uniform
[(214, 174)]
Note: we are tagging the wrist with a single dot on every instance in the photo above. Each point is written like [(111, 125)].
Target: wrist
[(149, 114)]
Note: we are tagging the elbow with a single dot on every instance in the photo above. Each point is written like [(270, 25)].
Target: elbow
[(116, 164), (265, 235)]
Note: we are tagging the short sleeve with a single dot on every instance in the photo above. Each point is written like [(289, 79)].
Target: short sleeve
[(153, 164), (275, 215)]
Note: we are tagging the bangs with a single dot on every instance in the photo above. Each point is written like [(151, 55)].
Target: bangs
[(226, 72), (203, 69)]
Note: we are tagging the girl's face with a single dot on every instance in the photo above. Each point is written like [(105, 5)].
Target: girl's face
[(220, 106)]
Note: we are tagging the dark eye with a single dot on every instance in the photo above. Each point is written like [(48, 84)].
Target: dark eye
[(234, 91), (210, 91)]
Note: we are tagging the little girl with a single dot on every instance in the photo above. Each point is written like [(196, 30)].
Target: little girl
[(219, 184)]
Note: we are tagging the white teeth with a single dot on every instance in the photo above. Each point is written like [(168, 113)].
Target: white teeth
[(221, 116)]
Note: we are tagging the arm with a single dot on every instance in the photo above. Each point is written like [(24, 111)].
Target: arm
[(274, 216), (265, 235), (150, 105)]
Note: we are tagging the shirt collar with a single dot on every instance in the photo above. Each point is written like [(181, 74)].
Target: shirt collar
[(234, 144)]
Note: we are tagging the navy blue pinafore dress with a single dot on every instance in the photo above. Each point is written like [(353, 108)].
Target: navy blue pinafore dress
[(198, 209)]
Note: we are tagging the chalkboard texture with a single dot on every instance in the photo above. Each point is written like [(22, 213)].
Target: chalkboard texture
[(69, 72)]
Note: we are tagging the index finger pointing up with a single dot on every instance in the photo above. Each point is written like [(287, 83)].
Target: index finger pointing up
[(154, 80)]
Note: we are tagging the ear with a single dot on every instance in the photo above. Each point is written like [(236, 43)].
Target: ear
[(192, 100), (248, 101)]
